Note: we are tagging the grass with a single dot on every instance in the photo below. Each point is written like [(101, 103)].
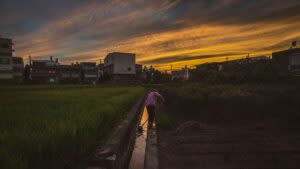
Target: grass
[(162, 119), (48, 126)]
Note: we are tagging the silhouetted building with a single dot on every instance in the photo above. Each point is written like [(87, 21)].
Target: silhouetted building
[(11, 68), (89, 72), (120, 66), (6, 47), (288, 60), (44, 71), (6, 70), (69, 73), (18, 69)]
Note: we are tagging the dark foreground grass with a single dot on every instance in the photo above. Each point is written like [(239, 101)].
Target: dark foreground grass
[(162, 119), (43, 127)]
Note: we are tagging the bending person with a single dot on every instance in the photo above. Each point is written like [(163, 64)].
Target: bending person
[(154, 99)]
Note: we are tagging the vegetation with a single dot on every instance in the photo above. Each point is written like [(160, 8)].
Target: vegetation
[(162, 119), (48, 126), (226, 103), (154, 76), (237, 72)]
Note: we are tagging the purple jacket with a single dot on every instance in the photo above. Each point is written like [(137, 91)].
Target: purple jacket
[(154, 99)]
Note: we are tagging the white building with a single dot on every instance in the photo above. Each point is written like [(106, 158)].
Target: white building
[(120, 66), (6, 69)]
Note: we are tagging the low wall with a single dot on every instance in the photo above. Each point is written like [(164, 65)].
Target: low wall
[(116, 152)]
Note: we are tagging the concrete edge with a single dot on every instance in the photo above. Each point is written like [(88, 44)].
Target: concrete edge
[(116, 151), (151, 157)]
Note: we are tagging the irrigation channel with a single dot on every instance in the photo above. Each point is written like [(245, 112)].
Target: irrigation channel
[(138, 154), (130, 147)]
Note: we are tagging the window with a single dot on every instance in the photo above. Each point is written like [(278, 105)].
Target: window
[(4, 61)]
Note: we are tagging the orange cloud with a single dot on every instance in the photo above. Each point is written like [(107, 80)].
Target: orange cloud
[(149, 29)]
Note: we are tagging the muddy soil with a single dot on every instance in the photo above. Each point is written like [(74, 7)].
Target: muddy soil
[(193, 143)]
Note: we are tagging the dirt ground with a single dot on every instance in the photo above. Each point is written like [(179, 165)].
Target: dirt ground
[(248, 144)]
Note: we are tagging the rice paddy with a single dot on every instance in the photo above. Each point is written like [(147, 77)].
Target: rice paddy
[(50, 126)]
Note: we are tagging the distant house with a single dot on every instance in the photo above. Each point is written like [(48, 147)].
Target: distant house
[(6, 47), (69, 73), (89, 72), (11, 68), (18, 68), (120, 66), (6, 52), (182, 74), (44, 71), (288, 60)]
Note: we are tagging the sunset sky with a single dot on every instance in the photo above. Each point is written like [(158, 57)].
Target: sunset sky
[(160, 32)]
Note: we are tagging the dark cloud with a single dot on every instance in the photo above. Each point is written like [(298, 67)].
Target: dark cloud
[(280, 45), (20, 16), (237, 11), (187, 58)]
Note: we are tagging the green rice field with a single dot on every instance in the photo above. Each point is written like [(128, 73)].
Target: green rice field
[(45, 127)]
